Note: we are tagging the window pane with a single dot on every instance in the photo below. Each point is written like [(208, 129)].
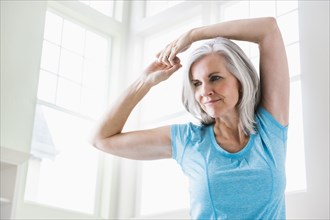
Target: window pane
[(295, 167), (233, 11), (286, 6), (293, 54), (92, 102), (96, 48), (105, 7), (155, 6), (73, 37), (47, 86), (71, 66), (50, 57), (256, 62), (289, 26), (68, 95), (56, 180), (262, 8), (254, 50), (94, 74), (53, 28)]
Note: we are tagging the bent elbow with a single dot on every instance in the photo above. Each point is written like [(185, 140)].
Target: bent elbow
[(103, 144), (96, 143), (270, 29), (272, 23)]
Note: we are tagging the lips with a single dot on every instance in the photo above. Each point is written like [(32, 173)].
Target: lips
[(211, 102)]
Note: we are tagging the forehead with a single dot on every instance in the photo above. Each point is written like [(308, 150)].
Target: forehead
[(210, 63)]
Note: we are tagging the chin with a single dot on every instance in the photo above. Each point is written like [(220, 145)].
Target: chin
[(216, 113), (213, 114)]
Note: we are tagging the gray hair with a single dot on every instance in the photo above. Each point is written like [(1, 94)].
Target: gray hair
[(241, 67)]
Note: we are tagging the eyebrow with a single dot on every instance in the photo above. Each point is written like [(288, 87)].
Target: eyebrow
[(210, 75)]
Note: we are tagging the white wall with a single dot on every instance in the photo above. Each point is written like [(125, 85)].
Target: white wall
[(314, 49), (22, 24)]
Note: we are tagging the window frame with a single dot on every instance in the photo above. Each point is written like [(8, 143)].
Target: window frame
[(108, 27)]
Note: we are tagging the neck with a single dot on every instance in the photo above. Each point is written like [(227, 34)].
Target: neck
[(229, 122), (228, 132)]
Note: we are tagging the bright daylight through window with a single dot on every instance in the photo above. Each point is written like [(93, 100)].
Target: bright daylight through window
[(71, 95)]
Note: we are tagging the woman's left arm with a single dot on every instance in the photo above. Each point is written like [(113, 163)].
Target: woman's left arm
[(274, 71)]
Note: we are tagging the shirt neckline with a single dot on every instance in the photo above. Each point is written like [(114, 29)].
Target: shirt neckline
[(226, 153)]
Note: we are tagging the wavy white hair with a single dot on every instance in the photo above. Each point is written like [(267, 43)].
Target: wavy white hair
[(241, 67)]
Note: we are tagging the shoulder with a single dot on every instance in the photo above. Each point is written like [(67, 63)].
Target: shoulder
[(267, 124), (186, 136), (187, 130)]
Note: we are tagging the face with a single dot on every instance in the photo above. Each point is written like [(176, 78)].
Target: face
[(215, 88)]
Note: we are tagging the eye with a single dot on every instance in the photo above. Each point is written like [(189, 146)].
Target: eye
[(197, 83), (215, 78)]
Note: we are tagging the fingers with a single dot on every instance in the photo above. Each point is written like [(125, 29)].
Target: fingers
[(168, 55), (164, 56), (172, 57), (172, 69)]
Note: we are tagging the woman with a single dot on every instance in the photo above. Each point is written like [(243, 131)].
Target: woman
[(235, 159)]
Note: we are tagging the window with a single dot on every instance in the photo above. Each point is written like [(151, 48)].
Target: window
[(71, 95), (109, 8), (286, 13), (153, 7)]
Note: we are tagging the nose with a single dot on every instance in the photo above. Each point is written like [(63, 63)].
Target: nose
[(206, 90)]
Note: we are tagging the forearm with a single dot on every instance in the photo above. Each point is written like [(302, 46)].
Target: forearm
[(253, 30), (114, 120)]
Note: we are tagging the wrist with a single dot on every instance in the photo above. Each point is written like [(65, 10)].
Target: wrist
[(144, 82)]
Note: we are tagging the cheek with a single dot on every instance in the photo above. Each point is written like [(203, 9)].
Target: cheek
[(197, 97), (233, 86), (226, 89)]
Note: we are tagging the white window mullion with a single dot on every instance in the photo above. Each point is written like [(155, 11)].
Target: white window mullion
[(65, 171)]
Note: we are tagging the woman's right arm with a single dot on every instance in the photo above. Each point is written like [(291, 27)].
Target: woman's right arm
[(143, 144)]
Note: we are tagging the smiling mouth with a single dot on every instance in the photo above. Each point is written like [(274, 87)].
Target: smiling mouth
[(211, 102)]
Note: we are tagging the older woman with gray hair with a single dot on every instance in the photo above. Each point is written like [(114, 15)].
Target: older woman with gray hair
[(235, 157)]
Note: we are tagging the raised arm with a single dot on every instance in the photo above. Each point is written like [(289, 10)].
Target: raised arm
[(140, 145), (274, 73)]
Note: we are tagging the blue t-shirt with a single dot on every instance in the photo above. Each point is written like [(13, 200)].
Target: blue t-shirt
[(249, 184)]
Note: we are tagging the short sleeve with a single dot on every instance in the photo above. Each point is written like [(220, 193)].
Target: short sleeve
[(180, 136), (268, 124)]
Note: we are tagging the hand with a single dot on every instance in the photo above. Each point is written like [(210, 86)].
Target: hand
[(169, 53), (157, 71)]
